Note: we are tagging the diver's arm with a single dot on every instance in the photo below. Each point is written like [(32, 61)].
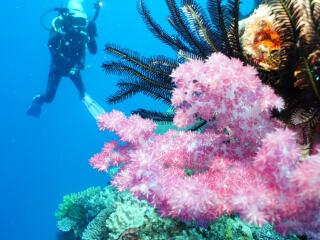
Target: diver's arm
[(92, 33), (92, 46)]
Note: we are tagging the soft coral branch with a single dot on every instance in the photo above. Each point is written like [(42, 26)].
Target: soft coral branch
[(244, 162)]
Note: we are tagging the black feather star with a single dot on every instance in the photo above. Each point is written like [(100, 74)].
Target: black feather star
[(199, 32), (297, 23), (156, 116), (147, 75), (197, 35)]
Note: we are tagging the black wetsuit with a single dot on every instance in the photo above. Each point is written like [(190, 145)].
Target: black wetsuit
[(67, 59)]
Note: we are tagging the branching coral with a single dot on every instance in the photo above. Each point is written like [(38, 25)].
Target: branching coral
[(96, 229), (200, 176), (78, 209)]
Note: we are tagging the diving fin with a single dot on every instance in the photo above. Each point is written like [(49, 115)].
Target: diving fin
[(35, 108), (93, 107)]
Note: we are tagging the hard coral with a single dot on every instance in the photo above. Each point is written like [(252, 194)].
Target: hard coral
[(78, 209), (135, 219), (260, 40)]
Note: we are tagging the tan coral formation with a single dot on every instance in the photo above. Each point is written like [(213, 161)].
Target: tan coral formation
[(260, 41)]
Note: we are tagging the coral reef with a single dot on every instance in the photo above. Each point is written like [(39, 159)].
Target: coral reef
[(96, 229), (280, 39), (260, 40), (128, 214), (77, 209), (242, 149), (135, 219), (296, 78), (197, 35), (227, 152)]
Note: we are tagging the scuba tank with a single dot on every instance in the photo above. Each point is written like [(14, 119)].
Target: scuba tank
[(66, 12)]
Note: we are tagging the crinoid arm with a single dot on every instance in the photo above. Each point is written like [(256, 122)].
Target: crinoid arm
[(150, 76), (166, 117), (158, 31)]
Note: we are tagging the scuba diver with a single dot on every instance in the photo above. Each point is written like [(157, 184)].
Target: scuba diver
[(70, 34)]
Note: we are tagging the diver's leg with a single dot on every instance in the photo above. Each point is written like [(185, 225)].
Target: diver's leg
[(77, 80), (93, 107), (54, 79)]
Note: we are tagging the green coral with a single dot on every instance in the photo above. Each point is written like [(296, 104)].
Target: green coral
[(268, 233), (163, 127), (78, 209), (131, 213), (233, 228), (96, 229), (228, 228), (192, 234), (106, 214)]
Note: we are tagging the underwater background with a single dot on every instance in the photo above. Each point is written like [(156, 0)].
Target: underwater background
[(46, 158)]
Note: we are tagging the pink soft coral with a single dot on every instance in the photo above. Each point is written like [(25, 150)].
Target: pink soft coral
[(244, 161), (224, 90)]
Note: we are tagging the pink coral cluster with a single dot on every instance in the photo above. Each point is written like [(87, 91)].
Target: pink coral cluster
[(133, 131), (224, 90), (243, 162)]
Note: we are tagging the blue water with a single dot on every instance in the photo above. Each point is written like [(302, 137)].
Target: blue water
[(46, 158)]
